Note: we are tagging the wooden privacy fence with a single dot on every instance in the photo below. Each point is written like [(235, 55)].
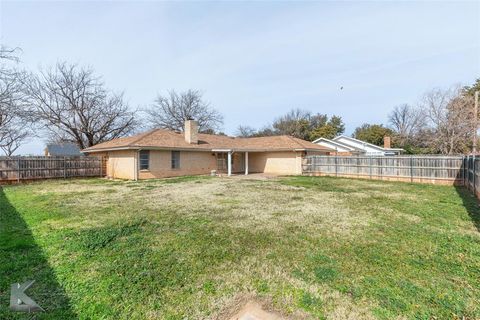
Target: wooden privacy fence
[(456, 170), (16, 169), (471, 168)]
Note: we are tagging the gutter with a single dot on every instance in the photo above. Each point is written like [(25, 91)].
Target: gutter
[(204, 150), (144, 148)]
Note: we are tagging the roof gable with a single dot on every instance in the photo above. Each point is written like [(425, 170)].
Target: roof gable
[(363, 145), (334, 144), (357, 143)]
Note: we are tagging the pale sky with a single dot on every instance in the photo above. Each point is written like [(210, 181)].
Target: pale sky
[(254, 61)]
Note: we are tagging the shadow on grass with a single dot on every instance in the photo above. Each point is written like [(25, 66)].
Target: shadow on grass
[(21, 259), (470, 202)]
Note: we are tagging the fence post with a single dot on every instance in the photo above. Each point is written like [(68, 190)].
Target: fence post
[(474, 178), (470, 169), (468, 173), (380, 166), (370, 162), (467, 176), (64, 167), (336, 167), (18, 170), (358, 167), (411, 169)]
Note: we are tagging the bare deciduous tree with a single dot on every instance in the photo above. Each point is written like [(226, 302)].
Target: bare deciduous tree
[(12, 138), (245, 131), (7, 53), (14, 128), (305, 125), (407, 121), (10, 89), (72, 104), (449, 116), (300, 124), (171, 111), (295, 123)]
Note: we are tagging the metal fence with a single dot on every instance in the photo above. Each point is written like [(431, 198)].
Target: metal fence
[(456, 170), (16, 169)]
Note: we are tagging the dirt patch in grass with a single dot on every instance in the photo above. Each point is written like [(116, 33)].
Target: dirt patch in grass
[(248, 306)]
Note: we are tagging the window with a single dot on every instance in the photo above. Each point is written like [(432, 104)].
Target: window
[(144, 159), (221, 161), (175, 159)]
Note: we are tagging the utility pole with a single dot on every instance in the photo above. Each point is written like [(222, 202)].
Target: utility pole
[(475, 123)]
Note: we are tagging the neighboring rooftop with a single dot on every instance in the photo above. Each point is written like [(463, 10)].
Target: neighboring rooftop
[(62, 149), (167, 139), (335, 144), (357, 142)]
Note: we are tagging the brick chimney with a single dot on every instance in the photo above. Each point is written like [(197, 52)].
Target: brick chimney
[(387, 142), (191, 131)]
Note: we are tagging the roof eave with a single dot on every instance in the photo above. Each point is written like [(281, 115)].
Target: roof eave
[(206, 149), (394, 149), (371, 145), (147, 148)]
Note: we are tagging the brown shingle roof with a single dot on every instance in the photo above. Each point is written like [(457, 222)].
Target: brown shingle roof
[(166, 139)]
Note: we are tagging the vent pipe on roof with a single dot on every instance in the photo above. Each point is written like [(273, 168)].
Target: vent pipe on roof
[(191, 131)]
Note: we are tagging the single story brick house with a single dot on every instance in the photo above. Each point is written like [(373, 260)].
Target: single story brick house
[(163, 153)]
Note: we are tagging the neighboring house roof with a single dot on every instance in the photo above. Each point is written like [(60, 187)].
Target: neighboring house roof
[(166, 139), (337, 146), (63, 149), (362, 145)]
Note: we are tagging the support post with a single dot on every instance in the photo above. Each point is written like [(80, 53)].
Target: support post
[(475, 123), (246, 163), (18, 170), (64, 167), (229, 163), (370, 162), (358, 167), (380, 159), (411, 169), (336, 167), (474, 178), (468, 173)]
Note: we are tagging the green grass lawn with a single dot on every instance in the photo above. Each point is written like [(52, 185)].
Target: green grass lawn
[(199, 247)]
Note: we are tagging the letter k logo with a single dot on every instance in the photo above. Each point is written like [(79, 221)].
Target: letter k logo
[(19, 301)]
